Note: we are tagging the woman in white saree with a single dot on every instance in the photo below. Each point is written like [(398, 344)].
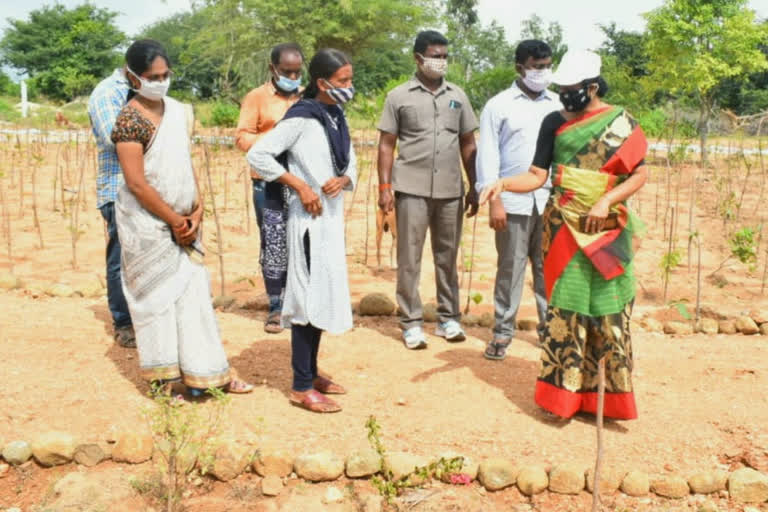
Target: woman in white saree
[(158, 215)]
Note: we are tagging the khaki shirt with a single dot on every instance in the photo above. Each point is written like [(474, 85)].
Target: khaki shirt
[(428, 126)]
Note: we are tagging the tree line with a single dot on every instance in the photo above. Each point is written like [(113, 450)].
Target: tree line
[(700, 55)]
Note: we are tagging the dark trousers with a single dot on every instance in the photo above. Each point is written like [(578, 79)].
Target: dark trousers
[(121, 317), (305, 344), (272, 220)]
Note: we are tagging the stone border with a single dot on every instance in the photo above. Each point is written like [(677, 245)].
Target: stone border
[(379, 304), (744, 485)]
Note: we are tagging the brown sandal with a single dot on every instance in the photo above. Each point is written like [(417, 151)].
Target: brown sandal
[(272, 325), (315, 402), (328, 387)]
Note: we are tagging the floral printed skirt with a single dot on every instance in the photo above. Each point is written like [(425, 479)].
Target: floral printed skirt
[(572, 346)]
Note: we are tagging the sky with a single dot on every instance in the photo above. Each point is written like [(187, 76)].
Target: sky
[(579, 19)]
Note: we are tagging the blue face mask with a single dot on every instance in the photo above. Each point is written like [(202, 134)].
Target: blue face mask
[(285, 84)]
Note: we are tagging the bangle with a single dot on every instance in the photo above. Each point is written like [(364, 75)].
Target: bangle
[(385, 186)]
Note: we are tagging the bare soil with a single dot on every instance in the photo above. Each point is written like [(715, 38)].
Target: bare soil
[(701, 399)]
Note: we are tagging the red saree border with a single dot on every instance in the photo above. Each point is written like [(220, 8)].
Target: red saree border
[(567, 403), (584, 117), (559, 255), (629, 155)]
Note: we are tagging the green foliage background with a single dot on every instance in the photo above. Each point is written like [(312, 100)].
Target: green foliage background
[(695, 56)]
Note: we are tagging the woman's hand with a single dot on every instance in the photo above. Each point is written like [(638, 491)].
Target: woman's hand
[(180, 229), (492, 192), (334, 186), (597, 215), (310, 200)]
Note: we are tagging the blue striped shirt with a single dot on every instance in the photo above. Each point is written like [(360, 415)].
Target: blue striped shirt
[(105, 103)]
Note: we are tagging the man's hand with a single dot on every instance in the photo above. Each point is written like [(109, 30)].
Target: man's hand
[(334, 186), (386, 200), (498, 216), (310, 200), (470, 201)]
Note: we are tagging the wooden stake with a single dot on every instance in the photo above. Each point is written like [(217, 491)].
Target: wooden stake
[(219, 241), (471, 263), (599, 459)]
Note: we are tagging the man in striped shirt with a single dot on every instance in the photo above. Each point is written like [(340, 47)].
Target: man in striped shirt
[(104, 104)]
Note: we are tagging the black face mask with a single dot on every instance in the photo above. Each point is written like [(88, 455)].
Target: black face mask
[(575, 101)]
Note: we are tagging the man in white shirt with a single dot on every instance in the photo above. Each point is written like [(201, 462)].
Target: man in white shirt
[(509, 128)]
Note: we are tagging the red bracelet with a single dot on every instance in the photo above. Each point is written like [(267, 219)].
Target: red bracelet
[(384, 186)]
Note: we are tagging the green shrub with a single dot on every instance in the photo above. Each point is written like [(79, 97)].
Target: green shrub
[(224, 114), (8, 112), (653, 121)]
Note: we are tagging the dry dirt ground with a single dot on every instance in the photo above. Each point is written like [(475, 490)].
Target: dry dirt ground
[(701, 399)]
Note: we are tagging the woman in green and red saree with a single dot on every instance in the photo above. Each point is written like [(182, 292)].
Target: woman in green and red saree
[(595, 152)]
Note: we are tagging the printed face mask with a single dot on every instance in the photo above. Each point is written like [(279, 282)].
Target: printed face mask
[(340, 95), (537, 79), (575, 101), (433, 68), (285, 84), (154, 91)]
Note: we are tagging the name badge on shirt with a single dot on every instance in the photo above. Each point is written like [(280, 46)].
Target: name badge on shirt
[(454, 104)]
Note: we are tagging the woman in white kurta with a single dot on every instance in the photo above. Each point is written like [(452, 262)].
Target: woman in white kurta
[(313, 142), (158, 216)]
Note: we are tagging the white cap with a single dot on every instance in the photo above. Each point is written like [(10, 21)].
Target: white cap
[(576, 66)]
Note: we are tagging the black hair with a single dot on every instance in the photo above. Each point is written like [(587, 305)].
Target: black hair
[(532, 48), (602, 85), (323, 65), (140, 56), (283, 48), (427, 38)]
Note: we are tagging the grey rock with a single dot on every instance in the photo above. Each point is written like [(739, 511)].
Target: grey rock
[(363, 463), (528, 324), (60, 290), (376, 304), (133, 447), (748, 486), (728, 327), (566, 479), (17, 452), (53, 448), (532, 480), (497, 473), (708, 482), (670, 486), (223, 302), (708, 326), (9, 281), (430, 312), (650, 324), (610, 479), (402, 463), (88, 454), (270, 461), (745, 325), (678, 328), (319, 467), (229, 460), (487, 320)]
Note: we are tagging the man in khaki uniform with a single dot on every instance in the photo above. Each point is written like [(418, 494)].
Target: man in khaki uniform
[(433, 123)]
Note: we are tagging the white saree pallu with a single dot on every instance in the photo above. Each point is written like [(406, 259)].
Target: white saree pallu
[(168, 294)]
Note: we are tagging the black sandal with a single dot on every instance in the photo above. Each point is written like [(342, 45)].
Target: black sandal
[(496, 350)]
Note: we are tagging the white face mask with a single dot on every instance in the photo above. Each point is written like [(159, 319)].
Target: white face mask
[(154, 91), (537, 79), (433, 68)]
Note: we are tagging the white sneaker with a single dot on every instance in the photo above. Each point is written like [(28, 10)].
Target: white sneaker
[(414, 338), (451, 331)]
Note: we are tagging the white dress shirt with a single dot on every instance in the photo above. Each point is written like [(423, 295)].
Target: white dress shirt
[(509, 128)]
